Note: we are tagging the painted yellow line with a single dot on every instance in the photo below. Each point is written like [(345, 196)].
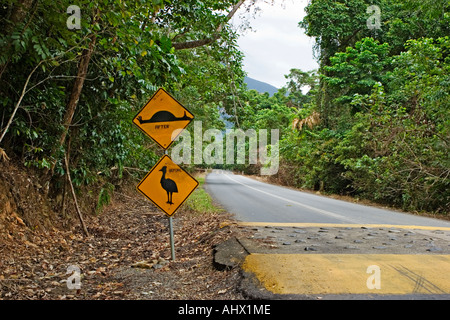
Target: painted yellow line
[(338, 225), (351, 273)]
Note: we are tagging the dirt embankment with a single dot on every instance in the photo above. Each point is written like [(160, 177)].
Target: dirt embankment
[(126, 256)]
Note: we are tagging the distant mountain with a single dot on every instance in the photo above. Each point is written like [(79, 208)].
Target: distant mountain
[(260, 86)]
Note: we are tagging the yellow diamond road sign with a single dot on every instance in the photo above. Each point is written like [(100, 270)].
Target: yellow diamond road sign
[(167, 185), (163, 118)]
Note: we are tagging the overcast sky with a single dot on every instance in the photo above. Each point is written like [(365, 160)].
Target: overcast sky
[(276, 44)]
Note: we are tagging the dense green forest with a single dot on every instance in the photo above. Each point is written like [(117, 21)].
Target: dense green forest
[(374, 123)]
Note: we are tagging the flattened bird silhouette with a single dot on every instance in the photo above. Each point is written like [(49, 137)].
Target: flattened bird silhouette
[(163, 116), (169, 185)]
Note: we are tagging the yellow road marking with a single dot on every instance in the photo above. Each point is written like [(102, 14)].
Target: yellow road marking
[(348, 273), (336, 225)]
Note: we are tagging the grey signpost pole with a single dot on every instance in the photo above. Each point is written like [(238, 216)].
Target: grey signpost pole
[(172, 245)]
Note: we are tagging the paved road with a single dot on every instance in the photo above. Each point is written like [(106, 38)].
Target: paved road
[(254, 201), (312, 246)]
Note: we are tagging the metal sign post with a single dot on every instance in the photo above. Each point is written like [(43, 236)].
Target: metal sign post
[(172, 245)]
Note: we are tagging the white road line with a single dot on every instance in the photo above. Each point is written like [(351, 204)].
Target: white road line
[(324, 212)]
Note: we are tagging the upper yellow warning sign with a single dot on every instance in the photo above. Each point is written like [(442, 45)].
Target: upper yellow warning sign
[(167, 185), (163, 118)]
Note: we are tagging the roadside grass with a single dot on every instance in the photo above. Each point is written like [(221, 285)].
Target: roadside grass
[(200, 201)]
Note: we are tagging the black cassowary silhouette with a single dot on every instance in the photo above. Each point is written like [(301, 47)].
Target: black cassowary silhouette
[(169, 185)]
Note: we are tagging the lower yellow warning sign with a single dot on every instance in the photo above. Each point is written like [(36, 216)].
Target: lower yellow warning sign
[(167, 185)]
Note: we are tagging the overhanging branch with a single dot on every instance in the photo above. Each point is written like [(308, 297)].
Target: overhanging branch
[(203, 42)]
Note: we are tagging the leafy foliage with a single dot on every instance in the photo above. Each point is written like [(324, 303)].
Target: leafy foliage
[(383, 103), (134, 52)]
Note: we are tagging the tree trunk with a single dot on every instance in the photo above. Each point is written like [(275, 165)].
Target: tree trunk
[(77, 88), (80, 216), (74, 96)]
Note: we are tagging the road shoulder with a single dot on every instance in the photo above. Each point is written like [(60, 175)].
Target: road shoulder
[(274, 257)]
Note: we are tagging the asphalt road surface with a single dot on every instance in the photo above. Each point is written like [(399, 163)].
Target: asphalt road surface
[(310, 246), (254, 201)]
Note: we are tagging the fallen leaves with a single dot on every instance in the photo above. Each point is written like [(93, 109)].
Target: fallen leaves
[(126, 257)]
